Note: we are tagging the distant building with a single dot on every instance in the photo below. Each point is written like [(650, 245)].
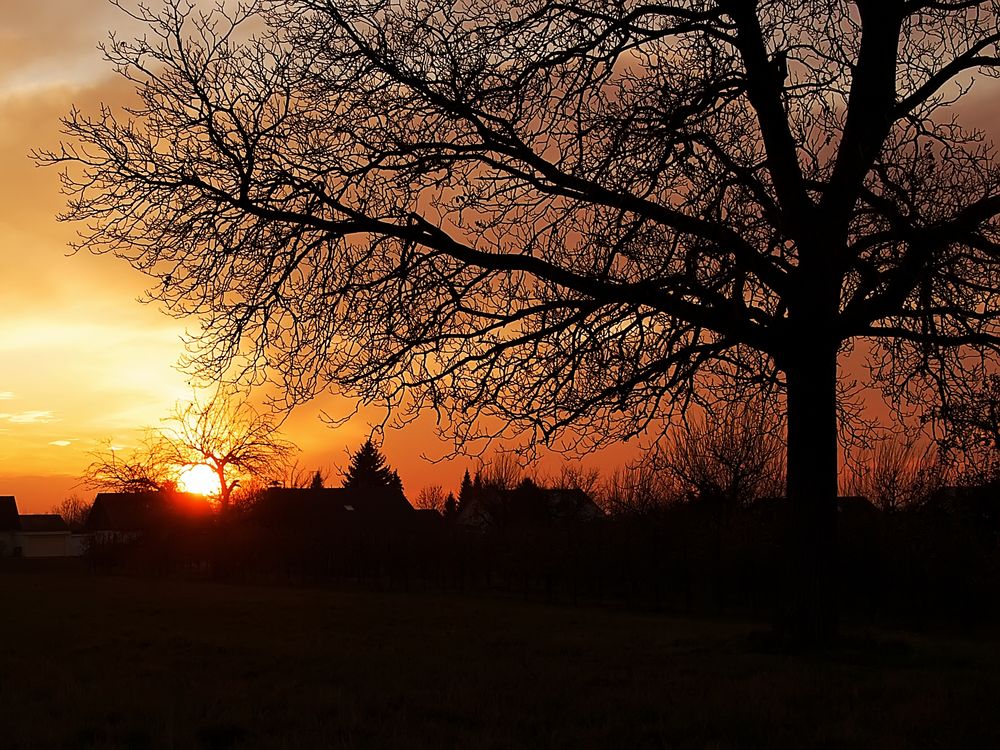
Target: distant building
[(125, 516), (293, 507), (526, 505), (46, 535), (34, 534), (10, 525)]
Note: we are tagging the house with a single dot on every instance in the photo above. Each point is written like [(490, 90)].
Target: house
[(45, 535), (125, 516), (527, 505), (33, 534), (327, 507), (10, 525)]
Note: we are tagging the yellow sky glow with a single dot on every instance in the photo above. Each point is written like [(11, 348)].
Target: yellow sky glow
[(81, 361)]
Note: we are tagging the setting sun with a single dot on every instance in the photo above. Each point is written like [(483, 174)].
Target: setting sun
[(199, 480)]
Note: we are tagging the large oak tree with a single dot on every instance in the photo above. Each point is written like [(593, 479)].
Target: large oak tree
[(563, 214)]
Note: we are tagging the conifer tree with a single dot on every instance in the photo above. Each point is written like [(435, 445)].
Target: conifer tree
[(465, 491), (369, 469), (317, 481), (451, 506)]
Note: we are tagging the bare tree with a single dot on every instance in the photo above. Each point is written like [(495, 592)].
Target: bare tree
[(899, 473), (74, 510), (969, 431), (639, 488), (147, 467), (229, 436), (501, 472), (431, 497), (729, 458), (563, 215), (575, 476)]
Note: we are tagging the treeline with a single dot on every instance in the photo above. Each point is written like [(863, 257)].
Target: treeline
[(940, 560), (700, 524), (695, 527)]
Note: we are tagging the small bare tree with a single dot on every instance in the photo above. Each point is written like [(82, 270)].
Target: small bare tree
[(731, 457), (231, 437), (575, 476), (74, 510), (145, 468), (899, 474), (639, 488), (969, 432), (502, 472), (431, 497)]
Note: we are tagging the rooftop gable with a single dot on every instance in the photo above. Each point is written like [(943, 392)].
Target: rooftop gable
[(38, 523), (8, 514), (140, 511)]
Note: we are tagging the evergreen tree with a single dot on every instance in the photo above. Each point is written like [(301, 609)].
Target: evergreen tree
[(451, 505), (317, 481), (370, 470), (466, 491)]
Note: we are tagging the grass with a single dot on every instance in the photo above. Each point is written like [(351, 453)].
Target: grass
[(101, 662)]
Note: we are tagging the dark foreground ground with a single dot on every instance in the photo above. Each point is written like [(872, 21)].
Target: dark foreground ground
[(96, 662)]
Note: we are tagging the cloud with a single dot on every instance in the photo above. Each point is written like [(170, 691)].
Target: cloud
[(61, 443), (28, 417), (6, 395)]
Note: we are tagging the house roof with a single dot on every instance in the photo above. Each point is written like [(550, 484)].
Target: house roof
[(528, 504), (293, 506), (139, 511), (38, 523), (8, 514)]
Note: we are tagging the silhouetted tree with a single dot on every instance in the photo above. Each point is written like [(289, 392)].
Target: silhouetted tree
[(73, 510), (898, 474), (432, 497), (560, 215), (317, 481), (640, 488), (502, 472), (369, 469), (465, 490), (451, 507), (147, 467), (576, 477), (729, 458), (969, 425), (229, 436)]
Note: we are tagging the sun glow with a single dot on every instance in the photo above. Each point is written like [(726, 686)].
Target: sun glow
[(198, 480)]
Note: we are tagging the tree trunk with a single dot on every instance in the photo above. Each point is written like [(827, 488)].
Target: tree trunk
[(812, 489)]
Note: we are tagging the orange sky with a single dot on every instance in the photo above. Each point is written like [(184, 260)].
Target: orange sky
[(81, 361)]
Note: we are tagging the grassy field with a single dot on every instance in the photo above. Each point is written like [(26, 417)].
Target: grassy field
[(96, 662)]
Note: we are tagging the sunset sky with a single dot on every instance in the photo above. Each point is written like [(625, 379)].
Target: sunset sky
[(81, 360)]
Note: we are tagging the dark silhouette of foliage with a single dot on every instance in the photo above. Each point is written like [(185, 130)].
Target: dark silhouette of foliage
[(970, 431), (727, 459), (144, 468), (898, 473), (228, 435), (559, 215), (317, 482), (369, 469), (432, 497), (73, 510), (465, 490), (451, 507)]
